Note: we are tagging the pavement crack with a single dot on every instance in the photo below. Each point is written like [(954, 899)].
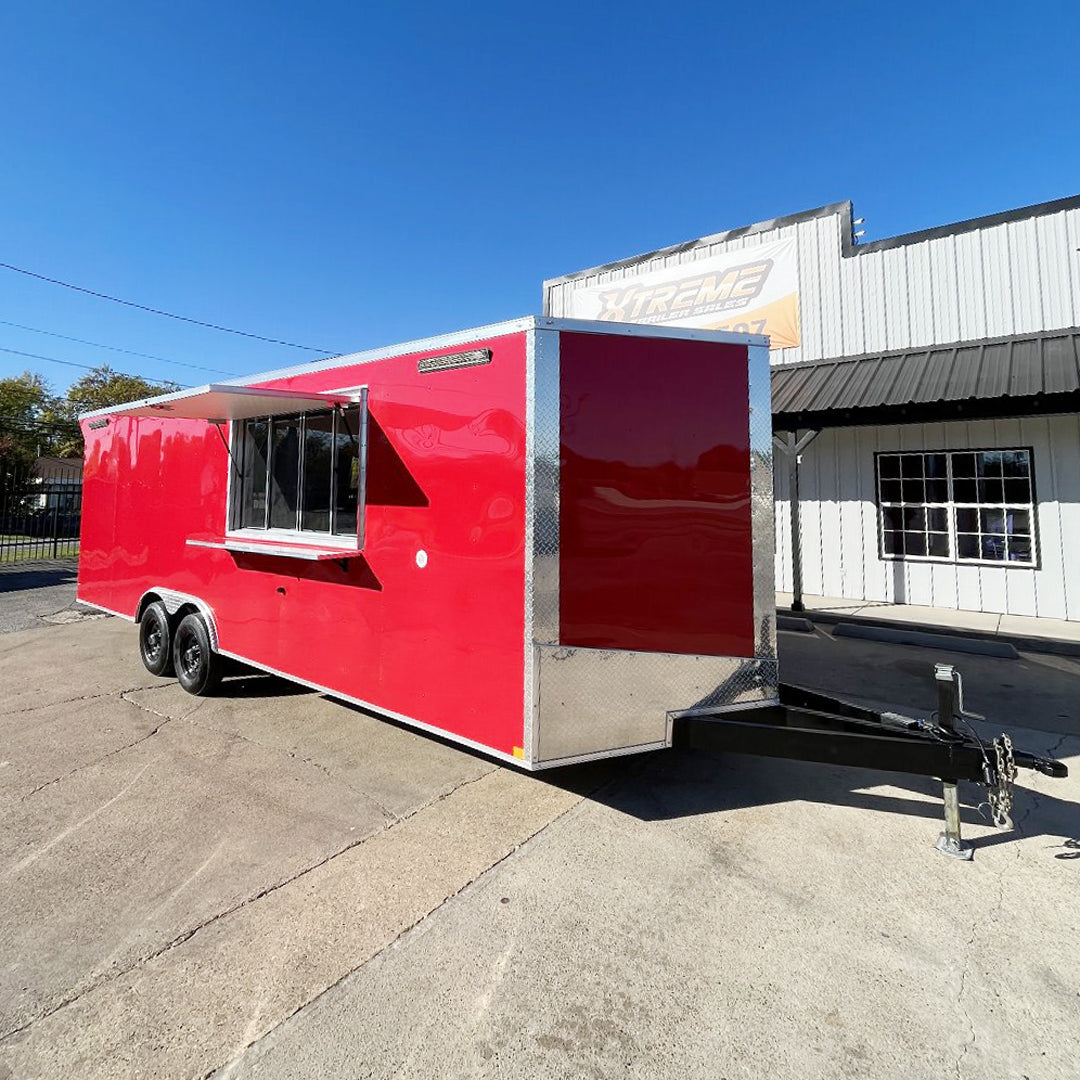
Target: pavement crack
[(146, 708), (97, 761), (1058, 746), (293, 756), (967, 1015), (112, 753), (591, 793), (70, 701), (93, 983)]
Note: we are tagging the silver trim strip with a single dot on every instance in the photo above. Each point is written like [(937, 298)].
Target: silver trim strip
[(546, 470), (579, 759), (529, 659), (542, 519)]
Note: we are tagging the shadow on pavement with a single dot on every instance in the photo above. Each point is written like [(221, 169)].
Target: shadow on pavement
[(39, 577), (670, 784), (675, 784), (256, 685)]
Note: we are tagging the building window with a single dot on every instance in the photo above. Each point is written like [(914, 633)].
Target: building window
[(301, 474), (965, 506)]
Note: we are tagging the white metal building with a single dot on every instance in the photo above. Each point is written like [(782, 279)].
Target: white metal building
[(932, 381)]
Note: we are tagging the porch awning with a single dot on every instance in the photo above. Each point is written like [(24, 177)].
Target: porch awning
[(1020, 375)]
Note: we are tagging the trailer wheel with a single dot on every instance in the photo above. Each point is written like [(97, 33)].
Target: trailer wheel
[(198, 668), (155, 640)]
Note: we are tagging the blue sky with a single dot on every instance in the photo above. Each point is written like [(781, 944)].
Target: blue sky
[(347, 175)]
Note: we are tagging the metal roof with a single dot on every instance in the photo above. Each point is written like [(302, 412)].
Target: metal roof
[(1022, 373)]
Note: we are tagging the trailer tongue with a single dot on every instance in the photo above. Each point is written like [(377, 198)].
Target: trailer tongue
[(808, 726)]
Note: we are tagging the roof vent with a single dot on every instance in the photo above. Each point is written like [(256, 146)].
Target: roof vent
[(454, 360)]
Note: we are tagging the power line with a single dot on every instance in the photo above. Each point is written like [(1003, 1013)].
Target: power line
[(114, 348), (167, 314), (89, 367)]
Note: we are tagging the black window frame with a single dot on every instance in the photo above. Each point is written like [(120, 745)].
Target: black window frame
[(239, 449), (951, 505)]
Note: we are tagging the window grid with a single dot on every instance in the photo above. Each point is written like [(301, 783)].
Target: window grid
[(961, 506), (340, 426)]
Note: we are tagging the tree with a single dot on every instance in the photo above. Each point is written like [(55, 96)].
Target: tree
[(103, 387), (26, 402), (99, 389)]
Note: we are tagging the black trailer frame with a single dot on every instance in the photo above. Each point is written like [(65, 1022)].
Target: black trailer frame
[(809, 726)]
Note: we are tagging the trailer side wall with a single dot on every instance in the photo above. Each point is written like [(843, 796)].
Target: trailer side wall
[(428, 624)]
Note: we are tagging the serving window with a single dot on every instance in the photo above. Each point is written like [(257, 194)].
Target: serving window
[(302, 475), (963, 506)]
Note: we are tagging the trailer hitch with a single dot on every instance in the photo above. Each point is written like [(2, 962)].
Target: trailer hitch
[(1046, 766), (806, 725)]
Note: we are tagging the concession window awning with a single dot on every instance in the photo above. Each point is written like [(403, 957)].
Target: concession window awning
[(220, 401), (1024, 374)]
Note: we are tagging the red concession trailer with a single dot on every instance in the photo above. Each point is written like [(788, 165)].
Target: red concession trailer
[(546, 539), (550, 540)]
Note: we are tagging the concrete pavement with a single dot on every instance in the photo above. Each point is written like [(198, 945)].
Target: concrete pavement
[(271, 884), (722, 919)]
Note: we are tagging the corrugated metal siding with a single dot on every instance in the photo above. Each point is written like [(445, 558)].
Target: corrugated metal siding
[(839, 515), (1017, 277), (1008, 279)]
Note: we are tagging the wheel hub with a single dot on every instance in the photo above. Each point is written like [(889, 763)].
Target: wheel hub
[(190, 657)]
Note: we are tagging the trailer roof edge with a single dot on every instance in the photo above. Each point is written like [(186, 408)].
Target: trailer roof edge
[(451, 340)]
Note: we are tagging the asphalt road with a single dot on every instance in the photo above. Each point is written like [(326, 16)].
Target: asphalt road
[(31, 590), (271, 884)]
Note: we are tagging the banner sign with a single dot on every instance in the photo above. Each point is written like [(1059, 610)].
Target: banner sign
[(752, 291)]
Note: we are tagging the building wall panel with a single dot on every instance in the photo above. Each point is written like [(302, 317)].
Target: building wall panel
[(1013, 277), (839, 513), (971, 286), (1009, 278), (1058, 490), (1071, 263)]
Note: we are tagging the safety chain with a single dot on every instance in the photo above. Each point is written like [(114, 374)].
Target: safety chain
[(1000, 794)]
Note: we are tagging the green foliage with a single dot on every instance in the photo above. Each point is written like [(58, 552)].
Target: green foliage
[(25, 402), (103, 387), (35, 421)]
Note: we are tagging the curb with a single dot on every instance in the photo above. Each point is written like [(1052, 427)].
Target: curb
[(1051, 646), (982, 646)]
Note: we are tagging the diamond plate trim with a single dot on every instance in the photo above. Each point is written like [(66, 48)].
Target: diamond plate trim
[(541, 516), (545, 523), (762, 504)]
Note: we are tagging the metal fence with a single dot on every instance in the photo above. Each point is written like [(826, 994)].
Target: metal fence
[(39, 510)]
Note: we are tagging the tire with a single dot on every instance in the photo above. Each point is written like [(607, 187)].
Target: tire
[(155, 640), (198, 667)]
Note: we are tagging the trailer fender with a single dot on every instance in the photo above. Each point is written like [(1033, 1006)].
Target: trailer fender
[(179, 604)]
